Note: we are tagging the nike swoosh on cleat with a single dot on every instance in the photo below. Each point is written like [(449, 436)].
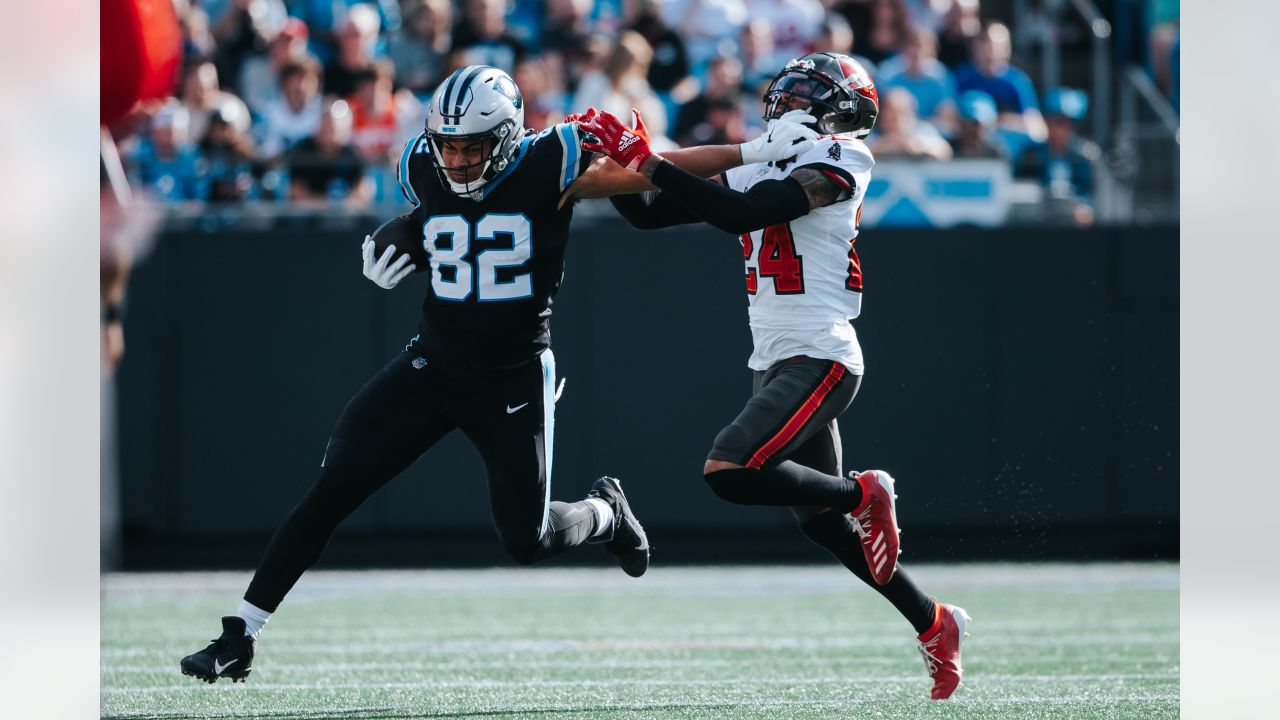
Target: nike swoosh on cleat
[(218, 668), (514, 409)]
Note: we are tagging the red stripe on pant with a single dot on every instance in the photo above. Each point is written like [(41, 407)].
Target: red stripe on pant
[(801, 416)]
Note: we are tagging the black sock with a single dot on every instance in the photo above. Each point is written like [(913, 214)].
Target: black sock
[(834, 532), (787, 484)]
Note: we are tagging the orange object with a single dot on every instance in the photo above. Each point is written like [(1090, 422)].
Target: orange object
[(141, 52)]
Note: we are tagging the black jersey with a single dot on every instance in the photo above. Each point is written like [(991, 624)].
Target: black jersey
[(496, 261)]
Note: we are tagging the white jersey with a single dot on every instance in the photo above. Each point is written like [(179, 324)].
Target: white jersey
[(804, 281)]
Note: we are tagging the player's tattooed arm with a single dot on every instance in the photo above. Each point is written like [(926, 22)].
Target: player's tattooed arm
[(818, 187)]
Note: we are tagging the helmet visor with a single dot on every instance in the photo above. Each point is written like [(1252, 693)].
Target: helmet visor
[(792, 91)]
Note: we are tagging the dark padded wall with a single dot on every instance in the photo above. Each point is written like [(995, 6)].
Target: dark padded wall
[(1022, 385)]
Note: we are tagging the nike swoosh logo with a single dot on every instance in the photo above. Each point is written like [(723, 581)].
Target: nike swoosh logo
[(514, 409), (217, 668)]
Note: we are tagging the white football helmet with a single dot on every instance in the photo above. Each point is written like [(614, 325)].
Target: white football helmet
[(476, 102)]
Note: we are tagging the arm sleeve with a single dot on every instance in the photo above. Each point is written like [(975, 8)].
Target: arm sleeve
[(652, 210), (769, 202)]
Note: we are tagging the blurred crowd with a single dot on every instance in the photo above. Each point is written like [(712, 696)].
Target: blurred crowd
[(311, 101)]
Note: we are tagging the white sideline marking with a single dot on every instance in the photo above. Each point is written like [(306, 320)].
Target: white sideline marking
[(992, 638), (973, 681), (693, 580), (841, 706)]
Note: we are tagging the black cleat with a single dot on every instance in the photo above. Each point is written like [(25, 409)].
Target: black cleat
[(230, 656), (628, 542)]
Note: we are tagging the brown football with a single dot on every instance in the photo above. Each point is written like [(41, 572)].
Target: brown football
[(406, 234)]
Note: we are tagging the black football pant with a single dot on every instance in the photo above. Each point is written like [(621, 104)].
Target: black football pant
[(791, 416), (398, 415)]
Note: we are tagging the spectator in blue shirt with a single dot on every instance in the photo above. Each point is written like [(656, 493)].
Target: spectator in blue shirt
[(166, 162), (917, 70), (1064, 162), (974, 137), (1015, 95)]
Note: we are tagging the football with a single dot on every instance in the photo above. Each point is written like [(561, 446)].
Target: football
[(406, 234)]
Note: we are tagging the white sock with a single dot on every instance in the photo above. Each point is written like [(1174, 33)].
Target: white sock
[(254, 618), (604, 516)]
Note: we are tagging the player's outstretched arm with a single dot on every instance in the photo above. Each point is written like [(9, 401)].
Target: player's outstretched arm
[(785, 138), (769, 202)]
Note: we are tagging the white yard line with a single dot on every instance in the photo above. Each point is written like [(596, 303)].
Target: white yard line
[(534, 684)]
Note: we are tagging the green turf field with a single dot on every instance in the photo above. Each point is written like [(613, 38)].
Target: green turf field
[(1049, 641)]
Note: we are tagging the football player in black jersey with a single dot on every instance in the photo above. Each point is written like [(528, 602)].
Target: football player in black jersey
[(491, 209)]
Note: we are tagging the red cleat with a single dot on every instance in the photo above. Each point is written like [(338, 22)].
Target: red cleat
[(877, 523), (940, 647)]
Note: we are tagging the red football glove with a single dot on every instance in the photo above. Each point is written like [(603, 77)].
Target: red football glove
[(626, 147), (637, 126), (637, 121), (580, 117)]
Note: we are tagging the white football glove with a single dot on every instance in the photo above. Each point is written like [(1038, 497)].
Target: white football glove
[(386, 276), (786, 137)]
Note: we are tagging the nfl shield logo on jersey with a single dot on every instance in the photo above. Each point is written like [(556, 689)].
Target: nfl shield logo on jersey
[(834, 152), (419, 363)]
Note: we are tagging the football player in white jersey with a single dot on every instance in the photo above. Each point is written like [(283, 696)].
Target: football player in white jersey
[(797, 220)]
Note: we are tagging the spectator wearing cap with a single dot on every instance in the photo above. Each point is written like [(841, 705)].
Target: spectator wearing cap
[(419, 47), (260, 75), (227, 160), (484, 34), (1013, 92), (295, 115), (165, 161), (381, 118), (918, 71), (357, 40), (797, 25), (974, 136), (1063, 164), (326, 166), (201, 96), (900, 132)]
